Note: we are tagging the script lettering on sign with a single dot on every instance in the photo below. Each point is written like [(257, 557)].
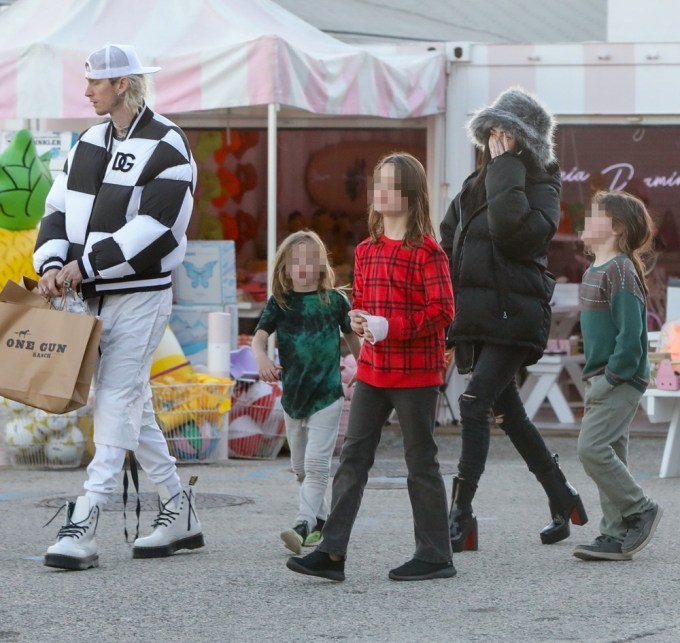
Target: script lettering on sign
[(619, 175)]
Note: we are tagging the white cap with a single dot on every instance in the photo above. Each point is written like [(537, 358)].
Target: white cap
[(115, 61)]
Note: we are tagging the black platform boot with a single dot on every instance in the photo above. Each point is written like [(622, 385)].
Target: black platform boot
[(462, 522), (565, 505)]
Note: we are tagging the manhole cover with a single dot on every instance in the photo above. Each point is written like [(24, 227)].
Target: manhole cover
[(396, 469), (149, 501)]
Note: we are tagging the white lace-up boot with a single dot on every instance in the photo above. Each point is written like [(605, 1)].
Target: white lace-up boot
[(175, 527), (76, 547)]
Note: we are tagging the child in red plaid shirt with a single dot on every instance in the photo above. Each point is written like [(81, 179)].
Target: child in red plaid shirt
[(402, 304)]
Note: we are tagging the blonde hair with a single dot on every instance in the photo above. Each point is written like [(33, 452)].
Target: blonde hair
[(281, 281), (410, 176), (135, 94), (630, 218)]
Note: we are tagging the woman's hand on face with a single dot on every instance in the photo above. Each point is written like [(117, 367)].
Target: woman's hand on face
[(500, 142)]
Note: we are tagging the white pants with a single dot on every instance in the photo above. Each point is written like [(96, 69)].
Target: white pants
[(133, 326), (311, 441)]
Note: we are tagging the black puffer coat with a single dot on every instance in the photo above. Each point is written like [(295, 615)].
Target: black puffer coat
[(498, 258)]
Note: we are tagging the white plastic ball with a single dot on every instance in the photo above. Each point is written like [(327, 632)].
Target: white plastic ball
[(22, 438), (40, 419), (58, 423), (16, 407), (66, 447)]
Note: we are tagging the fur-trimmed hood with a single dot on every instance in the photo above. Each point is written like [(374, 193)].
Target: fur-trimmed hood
[(522, 115)]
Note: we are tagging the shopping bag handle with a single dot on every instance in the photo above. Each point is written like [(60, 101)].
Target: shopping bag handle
[(66, 289)]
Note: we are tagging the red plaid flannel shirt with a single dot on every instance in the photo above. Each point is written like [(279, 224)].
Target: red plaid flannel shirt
[(411, 287)]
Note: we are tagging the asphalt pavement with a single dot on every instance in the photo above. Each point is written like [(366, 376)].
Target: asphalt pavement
[(238, 588)]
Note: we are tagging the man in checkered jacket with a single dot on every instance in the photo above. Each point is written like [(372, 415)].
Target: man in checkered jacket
[(114, 228)]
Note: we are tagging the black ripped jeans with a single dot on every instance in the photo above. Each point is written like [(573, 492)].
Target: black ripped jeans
[(492, 393)]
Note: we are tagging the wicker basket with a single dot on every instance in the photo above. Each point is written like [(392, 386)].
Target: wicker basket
[(192, 417), (34, 439), (256, 426)]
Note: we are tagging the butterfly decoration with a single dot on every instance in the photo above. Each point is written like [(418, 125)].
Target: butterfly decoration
[(199, 276)]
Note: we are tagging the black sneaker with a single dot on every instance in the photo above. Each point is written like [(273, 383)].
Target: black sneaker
[(318, 563), (296, 536), (416, 569), (602, 548), (641, 528)]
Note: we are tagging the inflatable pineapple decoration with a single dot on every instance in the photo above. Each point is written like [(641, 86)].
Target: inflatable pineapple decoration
[(25, 180)]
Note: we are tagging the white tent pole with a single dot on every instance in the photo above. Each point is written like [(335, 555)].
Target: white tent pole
[(436, 152), (271, 192), (271, 200)]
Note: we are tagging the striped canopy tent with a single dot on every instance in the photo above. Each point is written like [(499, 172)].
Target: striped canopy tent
[(214, 55)]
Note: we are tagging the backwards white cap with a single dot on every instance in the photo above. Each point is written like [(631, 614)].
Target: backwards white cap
[(115, 61)]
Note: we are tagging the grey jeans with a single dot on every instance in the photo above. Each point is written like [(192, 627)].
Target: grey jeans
[(370, 409), (311, 443), (603, 451)]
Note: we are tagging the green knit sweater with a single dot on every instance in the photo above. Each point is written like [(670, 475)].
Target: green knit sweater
[(614, 323)]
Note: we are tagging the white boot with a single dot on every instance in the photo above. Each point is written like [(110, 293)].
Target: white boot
[(175, 527), (76, 547)]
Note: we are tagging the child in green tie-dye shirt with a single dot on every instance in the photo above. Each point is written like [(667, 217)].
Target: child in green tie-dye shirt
[(308, 315)]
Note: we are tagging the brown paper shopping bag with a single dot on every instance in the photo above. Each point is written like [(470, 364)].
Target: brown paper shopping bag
[(47, 356)]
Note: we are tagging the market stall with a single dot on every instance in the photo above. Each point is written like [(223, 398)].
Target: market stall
[(222, 60)]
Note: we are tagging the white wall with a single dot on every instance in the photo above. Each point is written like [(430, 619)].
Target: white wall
[(638, 21)]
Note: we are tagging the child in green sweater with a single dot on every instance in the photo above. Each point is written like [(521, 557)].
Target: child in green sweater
[(618, 232)]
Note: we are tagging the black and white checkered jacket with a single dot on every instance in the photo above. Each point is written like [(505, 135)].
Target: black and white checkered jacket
[(121, 212)]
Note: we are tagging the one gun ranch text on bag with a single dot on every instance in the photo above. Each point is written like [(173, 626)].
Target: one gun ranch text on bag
[(44, 349)]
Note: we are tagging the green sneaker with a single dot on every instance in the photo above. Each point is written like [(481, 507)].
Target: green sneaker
[(295, 537), (315, 535)]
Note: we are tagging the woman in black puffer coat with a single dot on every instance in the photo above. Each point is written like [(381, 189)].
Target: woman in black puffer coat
[(496, 232)]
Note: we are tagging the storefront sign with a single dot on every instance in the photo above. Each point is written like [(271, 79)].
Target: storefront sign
[(619, 175)]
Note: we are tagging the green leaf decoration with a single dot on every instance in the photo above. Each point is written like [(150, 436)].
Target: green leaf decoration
[(25, 180)]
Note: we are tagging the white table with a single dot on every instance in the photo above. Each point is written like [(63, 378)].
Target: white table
[(563, 321), (664, 406), (543, 382)]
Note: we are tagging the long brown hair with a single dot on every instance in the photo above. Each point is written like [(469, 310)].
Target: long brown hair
[(478, 187), (281, 281), (630, 218), (410, 176)]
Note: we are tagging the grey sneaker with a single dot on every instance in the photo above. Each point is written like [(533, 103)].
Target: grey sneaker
[(602, 548), (641, 528), (295, 537)]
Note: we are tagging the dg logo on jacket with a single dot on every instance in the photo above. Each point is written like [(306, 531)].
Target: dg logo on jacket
[(123, 162)]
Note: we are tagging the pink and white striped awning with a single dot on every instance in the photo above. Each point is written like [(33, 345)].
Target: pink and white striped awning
[(214, 54)]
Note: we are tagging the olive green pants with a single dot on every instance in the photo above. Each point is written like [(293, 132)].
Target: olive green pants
[(603, 451)]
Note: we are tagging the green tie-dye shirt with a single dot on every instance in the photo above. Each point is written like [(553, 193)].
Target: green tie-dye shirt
[(309, 348)]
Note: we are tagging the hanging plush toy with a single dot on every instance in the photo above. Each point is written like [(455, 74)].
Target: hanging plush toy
[(25, 180)]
